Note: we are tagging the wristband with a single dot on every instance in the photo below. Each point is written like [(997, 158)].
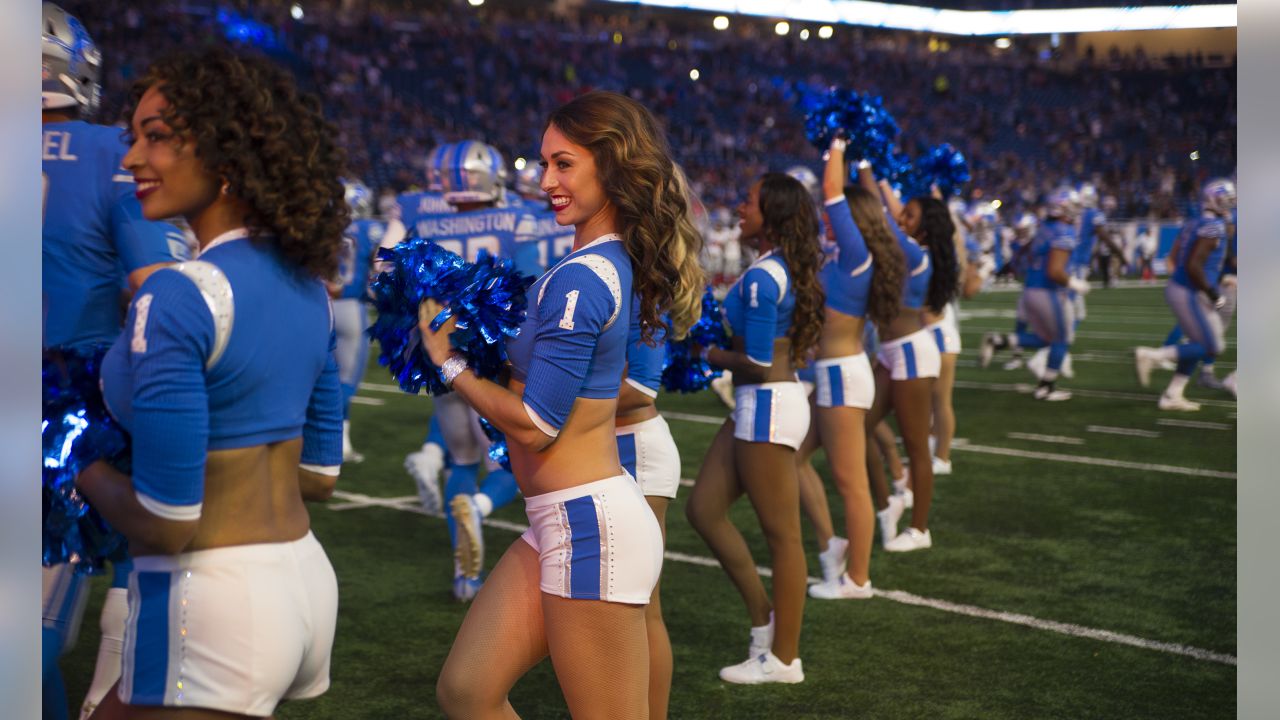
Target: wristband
[(863, 164), (839, 144), (452, 368)]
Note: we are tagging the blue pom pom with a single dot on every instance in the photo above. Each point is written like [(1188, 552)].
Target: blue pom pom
[(76, 430), (497, 444), (863, 119), (944, 166), (487, 297), (683, 370)]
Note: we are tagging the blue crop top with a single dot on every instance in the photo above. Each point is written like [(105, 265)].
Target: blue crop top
[(573, 342), (644, 363), (759, 306), (847, 278), (916, 286), (183, 388)]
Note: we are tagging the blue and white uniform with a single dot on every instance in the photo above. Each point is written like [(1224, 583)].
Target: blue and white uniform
[(1049, 311), (1193, 309), (646, 449), (1092, 222), (846, 381), (554, 240), (915, 355), (350, 309), (232, 351), (597, 541), (759, 309)]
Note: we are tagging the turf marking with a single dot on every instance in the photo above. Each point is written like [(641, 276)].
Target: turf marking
[(1197, 424), (1026, 388), (380, 387), (360, 400), (1037, 437), (1102, 462), (1130, 432), (689, 417), (358, 500)]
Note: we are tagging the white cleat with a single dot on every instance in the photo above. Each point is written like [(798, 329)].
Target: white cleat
[(1038, 361), (1179, 404), (889, 518), (723, 387), (941, 467), (1047, 394), (1229, 384), (1068, 370), (764, 668), (469, 535), (988, 349), (349, 454), (1144, 361), (1013, 364), (833, 559), (910, 539), (424, 467), (842, 588)]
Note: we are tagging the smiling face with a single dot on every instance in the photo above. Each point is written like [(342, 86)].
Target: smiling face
[(750, 219), (170, 179), (909, 220), (572, 184)]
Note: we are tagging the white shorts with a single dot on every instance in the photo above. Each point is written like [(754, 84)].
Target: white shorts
[(235, 629), (773, 412), (846, 382), (598, 541), (648, 451), (911, 356), (64, 593), (946, 332)]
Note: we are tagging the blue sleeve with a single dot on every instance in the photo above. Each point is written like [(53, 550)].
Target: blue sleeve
[(761, 315), (575, 306), (913, 253), (853, 247), (644, 363), (170, 333), (322, 431)]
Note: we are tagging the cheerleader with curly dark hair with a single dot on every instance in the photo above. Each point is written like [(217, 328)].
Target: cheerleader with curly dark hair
[(775, 311), (226, 380)]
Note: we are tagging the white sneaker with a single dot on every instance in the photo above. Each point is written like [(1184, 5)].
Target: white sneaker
[(1068, 370), (988, 349), (834, 559), (1044, 392), (1144, 361), (764, 668), (1179, 404), (910, 539), (424, 467), (761, 639), (889, 518), (723, 387), (842, 588), (1229, 384), (903, 492), (1038, 362), (941, 467), (349, 454), (469, 535), (1013, 364)]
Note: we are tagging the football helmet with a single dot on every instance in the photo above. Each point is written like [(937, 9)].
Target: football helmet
[(71, 66)]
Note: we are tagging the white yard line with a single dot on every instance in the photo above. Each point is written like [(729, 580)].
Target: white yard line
[(1026, 388), (1129, 432), (1036, 437), (361, 400), (357, 500), (1101, 462), (1197, 424), (689, 417), (379, 387)]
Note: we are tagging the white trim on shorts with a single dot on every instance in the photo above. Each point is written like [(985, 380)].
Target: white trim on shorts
[(772, 412), (911, 356), (649, 454), (596, 541)]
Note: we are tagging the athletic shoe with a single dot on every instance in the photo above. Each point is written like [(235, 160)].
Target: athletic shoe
[(723, 387), (1049, 394), (1038, 361), (889, 518), (910, 539), (349, 454), (1068, 370), (761, 639), (833, 559), (1013, 364), (1144, 361), (764, 668), (941, 467), (1229, 384), (988, 349), (1166, 364), (903, 493), (1206, 379), (466, 588), (842, 588), (1179, 404), (424, 467), (468, 534)]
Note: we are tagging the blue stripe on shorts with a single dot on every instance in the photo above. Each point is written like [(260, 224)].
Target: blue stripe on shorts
[(836, 378), (151, 647), (942, 344), (584, 533), (627, 452), (909, 356), (764, 416)]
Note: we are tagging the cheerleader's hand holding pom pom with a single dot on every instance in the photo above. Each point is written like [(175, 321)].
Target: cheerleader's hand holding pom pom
[(436, 341)]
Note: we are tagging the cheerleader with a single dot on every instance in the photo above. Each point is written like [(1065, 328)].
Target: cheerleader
[(864, 279), (226, 379), (575, 584), (775, 312)]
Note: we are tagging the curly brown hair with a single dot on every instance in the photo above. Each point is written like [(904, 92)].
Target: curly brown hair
[(266, 140), (889, 266), (791, 226), (651, 196)]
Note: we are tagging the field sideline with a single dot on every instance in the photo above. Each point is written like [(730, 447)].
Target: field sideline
[(1084, 563)]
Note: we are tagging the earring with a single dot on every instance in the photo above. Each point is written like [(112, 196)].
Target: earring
[(226, 187)]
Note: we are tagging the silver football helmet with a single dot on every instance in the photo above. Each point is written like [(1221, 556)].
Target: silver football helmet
[(71, 66)]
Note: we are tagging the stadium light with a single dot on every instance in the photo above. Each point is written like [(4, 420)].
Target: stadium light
[(1195, 155), (721, 22), (825, 32), (804, 33), (969, 22), (476, 3), (296, 11), (1004, 43), (694, 74), (782, 28), (520, 163), (996, 204)]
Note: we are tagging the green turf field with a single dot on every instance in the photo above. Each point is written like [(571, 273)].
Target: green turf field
[(1076, 572)]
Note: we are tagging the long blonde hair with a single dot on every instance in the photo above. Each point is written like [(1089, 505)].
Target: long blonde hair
[(651, 195)]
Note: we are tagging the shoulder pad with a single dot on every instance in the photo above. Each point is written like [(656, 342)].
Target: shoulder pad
[(216, 291), (604, 269), (777, 271)]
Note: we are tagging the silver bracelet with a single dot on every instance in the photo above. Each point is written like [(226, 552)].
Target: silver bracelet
[(452, 368)]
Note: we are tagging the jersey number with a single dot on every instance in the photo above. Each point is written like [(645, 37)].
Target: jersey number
[(570, 304)]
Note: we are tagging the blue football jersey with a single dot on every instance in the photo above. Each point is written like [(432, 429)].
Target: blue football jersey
[(1050, 235), (555, 241), (414, 204), (358, 245), (1091, 221), (1206, 227), (505, 232), (94, 233)]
